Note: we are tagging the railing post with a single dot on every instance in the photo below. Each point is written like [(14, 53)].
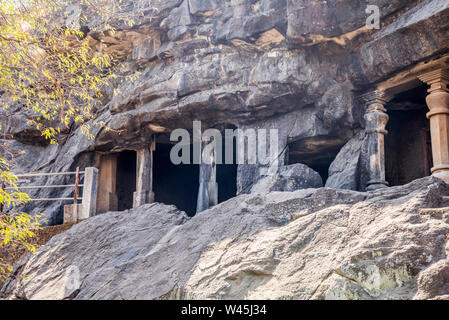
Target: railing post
[(89, 193), (77, 181)]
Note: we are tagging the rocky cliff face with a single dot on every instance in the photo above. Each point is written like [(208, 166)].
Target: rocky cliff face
[(293, 65), (307, 244)]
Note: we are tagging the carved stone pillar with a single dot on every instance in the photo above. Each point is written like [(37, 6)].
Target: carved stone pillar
[(376, 120), (438, 103), (208, 190), (107, 180), (144, 176)]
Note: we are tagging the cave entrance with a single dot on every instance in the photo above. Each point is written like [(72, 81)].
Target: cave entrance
[(175, 184), (408, 151), (317, 153), (126, 179), (116, 181)]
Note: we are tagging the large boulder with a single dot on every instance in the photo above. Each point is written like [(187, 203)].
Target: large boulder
[(308, 244), (289, 178), (346, 171)]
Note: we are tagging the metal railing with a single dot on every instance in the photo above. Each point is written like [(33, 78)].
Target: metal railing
[(89, 187), (76, 186)]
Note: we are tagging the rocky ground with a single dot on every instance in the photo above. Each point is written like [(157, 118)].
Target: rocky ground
[(308, 244), (11, 255)]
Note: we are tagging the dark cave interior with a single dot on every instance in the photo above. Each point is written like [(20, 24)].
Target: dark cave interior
[(408, 154), (126, 179)]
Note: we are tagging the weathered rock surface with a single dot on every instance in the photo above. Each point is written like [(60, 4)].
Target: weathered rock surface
[(346, 170), (307, 244), (289, 178)]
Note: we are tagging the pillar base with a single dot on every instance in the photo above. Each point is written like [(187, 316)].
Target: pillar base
[(142, 198), (207, 196), (375, 185), (109, 203), (441, 172), (71, 213), (213, 193)]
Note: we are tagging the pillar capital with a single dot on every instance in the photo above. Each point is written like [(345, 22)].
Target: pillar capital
[(438, 80), (438, 98), (375, 100), (376, 117)]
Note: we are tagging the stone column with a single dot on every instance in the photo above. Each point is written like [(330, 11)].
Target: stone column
[(107, 183), (438, 103), (89, 193), (376, 120), (208, 190), (144, 175)]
